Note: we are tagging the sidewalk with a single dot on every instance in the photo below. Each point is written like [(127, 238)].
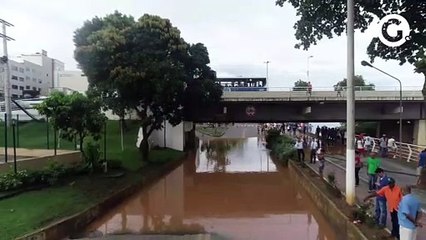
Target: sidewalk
[(336, 164)]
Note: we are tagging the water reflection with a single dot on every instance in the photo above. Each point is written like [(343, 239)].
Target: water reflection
[(227, 191), (234, 155)]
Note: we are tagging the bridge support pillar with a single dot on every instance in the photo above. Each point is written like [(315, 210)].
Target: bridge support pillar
[(419, 133)]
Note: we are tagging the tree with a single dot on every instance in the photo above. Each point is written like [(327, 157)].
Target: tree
[(74, 115), (359, 83), (421, 68), (144, 66), (300, 85), (318, 20)]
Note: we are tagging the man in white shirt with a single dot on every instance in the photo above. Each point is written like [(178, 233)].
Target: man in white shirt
[(313, 147), (300, 152), (392, 146), (368, 144)]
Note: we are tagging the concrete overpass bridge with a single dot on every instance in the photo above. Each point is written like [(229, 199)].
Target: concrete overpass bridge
[(320, 106)]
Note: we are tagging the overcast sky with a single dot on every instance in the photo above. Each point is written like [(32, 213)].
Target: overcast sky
[(239, 34)]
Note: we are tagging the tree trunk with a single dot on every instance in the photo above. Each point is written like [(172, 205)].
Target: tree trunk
[(81, 142), (424, 86), (144, 147)]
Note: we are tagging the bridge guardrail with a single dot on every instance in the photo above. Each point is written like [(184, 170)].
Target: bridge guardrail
[(343, 89), (409, 152)]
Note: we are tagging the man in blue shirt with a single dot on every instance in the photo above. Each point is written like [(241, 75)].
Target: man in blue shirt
[(421, 164), (408, 215), (381, 210)]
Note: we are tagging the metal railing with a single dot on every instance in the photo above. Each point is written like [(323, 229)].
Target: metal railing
[(357, 88), (409, 152)]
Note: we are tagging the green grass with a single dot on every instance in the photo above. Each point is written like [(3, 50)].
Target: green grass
[(29, 211)]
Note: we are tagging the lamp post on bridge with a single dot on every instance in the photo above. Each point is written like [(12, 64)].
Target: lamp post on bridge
[(267, 73), (365, 63), (307, 68)]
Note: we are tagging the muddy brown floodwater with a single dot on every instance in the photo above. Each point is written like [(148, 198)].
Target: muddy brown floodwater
[(231, 189)]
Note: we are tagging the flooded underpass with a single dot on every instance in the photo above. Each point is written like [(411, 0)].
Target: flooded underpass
[(229, 189)]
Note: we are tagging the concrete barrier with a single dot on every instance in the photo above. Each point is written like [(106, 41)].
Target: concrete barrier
[(38, 163), (326, 206)]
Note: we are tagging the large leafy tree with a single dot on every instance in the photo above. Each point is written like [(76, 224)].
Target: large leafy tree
[(359, 83), (319, 19), (74, 114), (300, 85), (144, 66)]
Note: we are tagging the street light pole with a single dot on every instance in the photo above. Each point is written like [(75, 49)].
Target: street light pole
[(307, 69), (401, 110), (267, 74), (350, 107)]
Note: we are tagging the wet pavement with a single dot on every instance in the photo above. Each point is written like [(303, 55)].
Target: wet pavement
[(231, 189), (336, 165)]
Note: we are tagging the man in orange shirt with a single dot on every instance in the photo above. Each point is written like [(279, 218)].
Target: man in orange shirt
[(393, 195)]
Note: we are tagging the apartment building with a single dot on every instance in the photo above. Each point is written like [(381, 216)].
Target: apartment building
[(32, 72)]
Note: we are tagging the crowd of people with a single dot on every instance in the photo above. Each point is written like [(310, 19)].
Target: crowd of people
[(391, 200), (403, 207)]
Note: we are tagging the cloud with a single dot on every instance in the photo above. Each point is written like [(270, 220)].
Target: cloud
[(240, 35)]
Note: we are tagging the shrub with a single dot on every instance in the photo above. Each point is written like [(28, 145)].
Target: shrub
[(10, 180), (272, 136), (331, 177), (92, 154), (53, 173)]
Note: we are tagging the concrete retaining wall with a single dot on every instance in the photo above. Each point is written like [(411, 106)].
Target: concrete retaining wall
[(326, 206), (38, 163)]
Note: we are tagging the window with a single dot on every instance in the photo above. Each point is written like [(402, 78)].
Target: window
[(27, 87), (33, 70), (27, 69), (21, 79), (34, 88), (14, 68), (14, 77), (14, 86), (34, 80), (21, 70), (27, 78), (14, 96), (21, 87)]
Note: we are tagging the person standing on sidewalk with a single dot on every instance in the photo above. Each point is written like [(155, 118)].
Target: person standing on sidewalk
[(313, 147), (300, 152), (409, 215), (421, 164), (383, 146), (393, 195), (381, 211), (372, 164), (358, 166)]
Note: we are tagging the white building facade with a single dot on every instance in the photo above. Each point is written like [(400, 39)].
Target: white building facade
[(34, 72)]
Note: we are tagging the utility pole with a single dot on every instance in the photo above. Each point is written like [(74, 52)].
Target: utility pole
[(267, 74), (5, 62), (350, 108)]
